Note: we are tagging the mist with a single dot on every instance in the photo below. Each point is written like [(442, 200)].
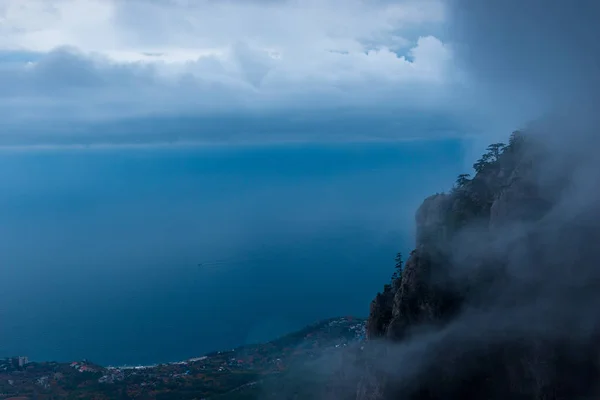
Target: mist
[(526, 276)]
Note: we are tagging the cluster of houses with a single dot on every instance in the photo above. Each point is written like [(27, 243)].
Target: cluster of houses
[(82, 367), (10, 363), (113, 375)]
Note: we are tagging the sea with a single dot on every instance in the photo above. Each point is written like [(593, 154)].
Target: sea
[(127, 256)]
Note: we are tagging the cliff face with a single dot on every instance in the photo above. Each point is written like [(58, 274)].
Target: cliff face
[(478, 257), (502, 191)]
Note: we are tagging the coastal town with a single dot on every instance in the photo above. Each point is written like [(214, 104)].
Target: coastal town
[(211, 375)]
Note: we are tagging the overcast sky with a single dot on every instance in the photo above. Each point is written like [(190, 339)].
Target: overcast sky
[(67, 62)]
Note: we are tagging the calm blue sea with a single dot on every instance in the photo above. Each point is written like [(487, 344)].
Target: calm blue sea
[(99, 249)]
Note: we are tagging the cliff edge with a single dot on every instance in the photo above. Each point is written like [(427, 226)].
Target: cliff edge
[(498, 298)]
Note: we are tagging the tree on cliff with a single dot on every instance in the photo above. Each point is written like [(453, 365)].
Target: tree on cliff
[(495, 150), (462, 180), (493, 154), (398, 268), (483, 162)]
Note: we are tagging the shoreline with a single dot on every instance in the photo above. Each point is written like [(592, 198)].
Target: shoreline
[(192, 359), (147, 366)]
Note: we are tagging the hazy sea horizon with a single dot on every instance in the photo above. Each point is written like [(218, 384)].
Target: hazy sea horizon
[(100, 249)]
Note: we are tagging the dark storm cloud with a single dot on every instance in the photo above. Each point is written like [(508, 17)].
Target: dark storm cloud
[(547, 46)]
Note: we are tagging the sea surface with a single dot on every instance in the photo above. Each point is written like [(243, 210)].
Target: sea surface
[(137, 256)]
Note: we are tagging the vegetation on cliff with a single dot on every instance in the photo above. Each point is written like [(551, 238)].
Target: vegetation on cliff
[(483, 307), (439, 218)]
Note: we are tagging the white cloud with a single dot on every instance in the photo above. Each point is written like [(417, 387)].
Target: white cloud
[(114, 58)]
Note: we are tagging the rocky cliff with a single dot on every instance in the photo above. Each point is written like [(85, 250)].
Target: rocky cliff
[(498, 299)]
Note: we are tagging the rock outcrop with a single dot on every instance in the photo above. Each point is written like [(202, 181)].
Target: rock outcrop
[(431, 219), (475, 284)]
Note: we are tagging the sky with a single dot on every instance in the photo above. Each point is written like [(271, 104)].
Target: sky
[(74, 69)]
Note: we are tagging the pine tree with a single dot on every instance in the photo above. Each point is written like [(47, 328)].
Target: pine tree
[(399, 262), (484, 161), (398, 269), (462, 180), (494, 150)]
